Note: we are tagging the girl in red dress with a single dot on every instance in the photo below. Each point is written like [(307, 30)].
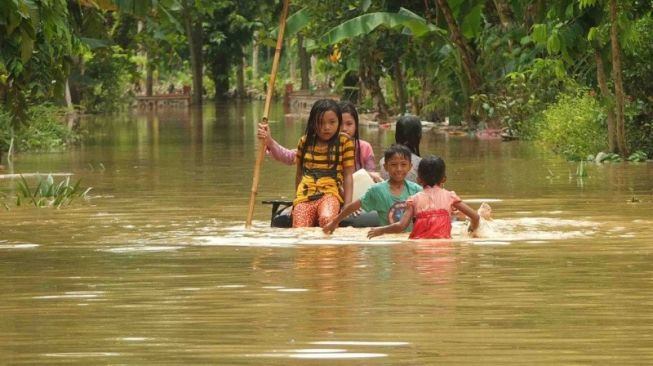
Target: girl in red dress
[(432, 208)]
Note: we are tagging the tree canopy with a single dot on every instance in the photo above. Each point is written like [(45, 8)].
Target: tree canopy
[(478, 63)]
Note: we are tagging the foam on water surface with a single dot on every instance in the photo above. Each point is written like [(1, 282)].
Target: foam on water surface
[(525, 229)]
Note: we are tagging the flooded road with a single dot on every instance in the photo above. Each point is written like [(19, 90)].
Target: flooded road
[(157, 268)]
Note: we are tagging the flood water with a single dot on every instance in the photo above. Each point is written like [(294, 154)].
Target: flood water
[(157, 268)]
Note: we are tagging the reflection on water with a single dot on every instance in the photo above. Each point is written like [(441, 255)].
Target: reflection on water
[(157, 267)]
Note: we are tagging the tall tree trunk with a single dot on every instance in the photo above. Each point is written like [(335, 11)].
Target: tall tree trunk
[(535, 13), (142, 53), (398, 76), (76, 73), (607, 96), (292, 61), (371, 81), (240, 79), (71, 114), (351, 90), (255, 51), (505, 13), (193, 30), (220, 67), (466, 55), (304, 63), (505, 16), (67, 96), (312, 67), (149, 79), (618, 81)]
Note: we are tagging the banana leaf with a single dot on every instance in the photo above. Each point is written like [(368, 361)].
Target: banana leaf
[(366, 23), (294, 23)]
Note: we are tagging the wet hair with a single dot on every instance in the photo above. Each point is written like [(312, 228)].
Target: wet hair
[(320, 107), (348, 107), (396, 149), (431, 170), (409, 132)]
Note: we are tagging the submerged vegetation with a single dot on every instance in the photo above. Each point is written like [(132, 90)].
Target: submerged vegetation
[(517, 64), (47, 192)]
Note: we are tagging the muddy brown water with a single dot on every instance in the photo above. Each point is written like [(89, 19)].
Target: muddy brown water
[(157, 268)]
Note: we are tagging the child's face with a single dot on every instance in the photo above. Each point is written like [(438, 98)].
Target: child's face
[(348, 124), (328, 126), (397, 167)]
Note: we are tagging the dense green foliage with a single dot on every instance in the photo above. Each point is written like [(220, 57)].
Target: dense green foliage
[(574, 126), (35, 40), (45, 132), (506, 63), (638, 78), (107, 80)]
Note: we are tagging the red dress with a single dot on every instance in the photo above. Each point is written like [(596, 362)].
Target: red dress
[(432, 209)]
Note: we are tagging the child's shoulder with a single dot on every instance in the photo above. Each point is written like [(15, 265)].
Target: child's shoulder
[(376, 190), (346, 147), (413, 187), (344, 138), (379, 187), (364, 144)]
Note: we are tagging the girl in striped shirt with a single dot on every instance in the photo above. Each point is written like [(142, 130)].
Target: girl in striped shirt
[(364, 154), (325, 164)]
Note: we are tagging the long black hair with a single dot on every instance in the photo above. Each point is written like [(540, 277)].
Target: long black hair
[(348, 107), (318, 109), (409, 132)]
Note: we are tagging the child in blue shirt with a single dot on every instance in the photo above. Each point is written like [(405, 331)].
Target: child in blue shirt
[(387, 198)]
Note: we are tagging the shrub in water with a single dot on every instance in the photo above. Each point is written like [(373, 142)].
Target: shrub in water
[(49, 193), (638, 156), (574, 126)]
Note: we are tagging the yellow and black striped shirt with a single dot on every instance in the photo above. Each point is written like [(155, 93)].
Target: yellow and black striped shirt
[(322, 170)]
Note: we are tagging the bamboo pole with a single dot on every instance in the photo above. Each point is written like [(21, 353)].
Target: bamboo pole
[(266, 110)]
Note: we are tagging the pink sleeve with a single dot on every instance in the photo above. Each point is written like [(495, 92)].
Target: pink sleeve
[(453, 198), (412, 201), (281, 154), (367, 156)]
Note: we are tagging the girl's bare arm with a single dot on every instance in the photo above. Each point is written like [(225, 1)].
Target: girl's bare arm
[(397, 227), (346, 211), (348, 183), (298, 176), (469, 212)]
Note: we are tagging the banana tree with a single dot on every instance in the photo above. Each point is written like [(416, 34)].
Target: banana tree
[(458, 38), (302, 26), (375, 48), (463, 23)]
